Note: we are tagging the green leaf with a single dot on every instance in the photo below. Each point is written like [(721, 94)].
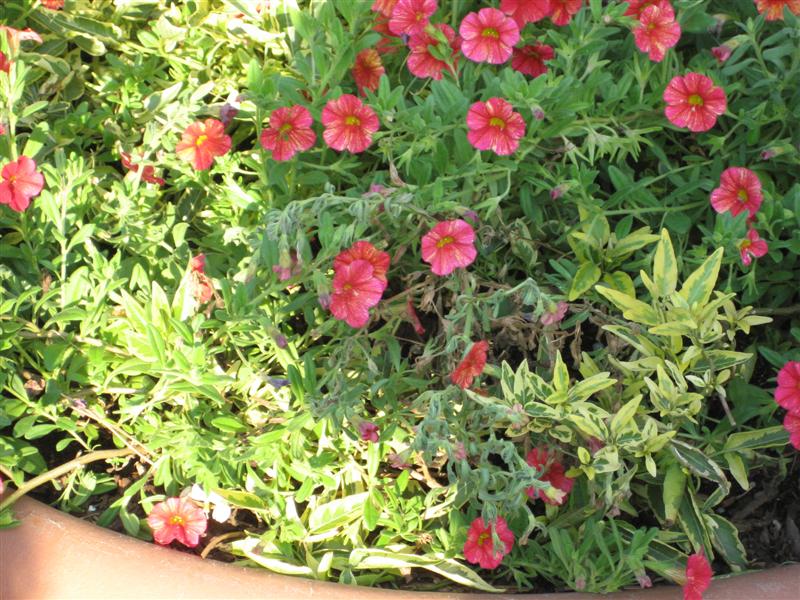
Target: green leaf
[(632, 309), (621, 282), (585, 277), (674, 487), (337, 512), (769, 437), (228, 424), (698, 287), (665, 267), (737, 469), (699, 464), (560, 375), (725, 539), (249, 547), (625, 415)]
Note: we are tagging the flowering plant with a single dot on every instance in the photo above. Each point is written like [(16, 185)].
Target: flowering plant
[(475, 290)]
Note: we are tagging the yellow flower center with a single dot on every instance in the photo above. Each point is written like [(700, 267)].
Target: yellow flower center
[(176, 520), (490, 32), (201, 139), (352, 120), (497, 122), (347, 287), (742, 195), (444, 241), (745, 244), (696, 100), (482, 538)]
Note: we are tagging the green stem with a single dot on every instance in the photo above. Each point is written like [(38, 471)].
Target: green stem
[(656, 209)]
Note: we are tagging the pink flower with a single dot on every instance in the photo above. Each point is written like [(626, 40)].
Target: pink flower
[(739, 190), (721, 53), (349, 124), (355, 291), (421, 63), (657, 31), (21, 183), (5, 63), (198, 263), (787, 394), (553, 473), (472, 365), (479, 547), (368, 431), (752, 247), (200, 284), (488, 36), (554, 314), (202, 142), (791, 423), (493, 125), (367, 70), (289, 132), (526, 11), (698, 577), (563, 10), (448, 246), (363, 250), (529, 60), (773, 9), (635, 7), (148, 172), (411, 16), (694, 101), (177, 519)]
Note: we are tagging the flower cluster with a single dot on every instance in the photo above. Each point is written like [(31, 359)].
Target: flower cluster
[(787, 395), (359, 281)]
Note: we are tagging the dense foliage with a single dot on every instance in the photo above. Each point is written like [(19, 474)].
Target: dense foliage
[(387, 295)]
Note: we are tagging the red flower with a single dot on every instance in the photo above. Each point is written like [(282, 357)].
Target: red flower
[(355, 291), (368, 70), (448, 246), (349, 124), (694, 101), (15, 36), (526, 11), (554, 314), (5, 63), (488, 36), (472, 365), (721, 53), (148, 173), (529, 60), (773, 9), (363, 250), (21, 183), (698, 577), (787, 394), (198, 263), (635, 7), (385, 7), (493, 125), (177, 519), (368, 431), (752, 247), (739, 190), (657, 31), (202, 142), (411, 16), (200, 284), (421, 63), (563, 10), (479, 547), (289, 132), (553, 473), (791, 423), (53, 4)]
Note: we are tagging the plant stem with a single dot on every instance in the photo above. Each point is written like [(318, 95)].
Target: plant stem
[(62, 470), (783, 310)]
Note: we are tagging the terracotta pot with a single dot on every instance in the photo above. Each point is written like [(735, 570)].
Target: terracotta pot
[(54, 555)]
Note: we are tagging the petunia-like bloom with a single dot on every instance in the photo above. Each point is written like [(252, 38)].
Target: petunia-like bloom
[(787, 394), (148, 173), (739, 190), (53, 4), (355, 291), (177, 519), (479, 547), (791, 423), (368, 431), (289, 132), (526, 11), (493, 125), (529, 60), (554, 314), (349, 124), (698, 577), (384, 7), (635, 7), (553, 473), (472, 365), (773, 9), (564, 10), (367, 70), (657, 31), (411, 17), (721, 53), (421, 63), (448, 246), (202, 142), (21, 182), (752, 247), (694, 101), (363, 250), (488, 36)]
